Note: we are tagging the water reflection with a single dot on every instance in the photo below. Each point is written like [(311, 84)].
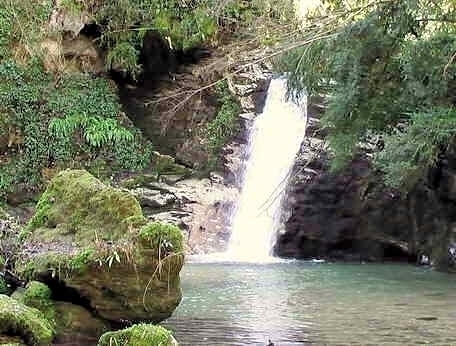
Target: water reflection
[(304, 304)]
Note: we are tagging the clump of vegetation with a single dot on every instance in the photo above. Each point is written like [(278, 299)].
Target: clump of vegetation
[(162, 237), (185, 24), (225, 125), (69, 123), (140, 335), (388, 68), (37, 295)]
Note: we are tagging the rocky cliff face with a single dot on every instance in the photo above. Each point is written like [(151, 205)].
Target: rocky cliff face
[(202, 206), (351, 215)]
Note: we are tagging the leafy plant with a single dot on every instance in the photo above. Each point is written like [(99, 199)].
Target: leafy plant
[(386, 65), (408, 153), (67, 123)]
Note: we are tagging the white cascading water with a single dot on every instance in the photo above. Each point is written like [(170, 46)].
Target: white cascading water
[(274, 140)]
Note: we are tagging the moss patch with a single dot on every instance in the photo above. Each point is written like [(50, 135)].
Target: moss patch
[(26, 322), (80, 204), (139, 335), (163, 236), (37, 295)]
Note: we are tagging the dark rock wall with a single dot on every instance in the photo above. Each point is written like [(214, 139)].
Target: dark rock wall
[(351, 215)]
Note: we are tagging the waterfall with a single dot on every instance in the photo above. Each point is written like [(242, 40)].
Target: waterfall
[(274, 140)]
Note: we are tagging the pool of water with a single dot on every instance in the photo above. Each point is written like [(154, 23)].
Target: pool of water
[(300, 303)]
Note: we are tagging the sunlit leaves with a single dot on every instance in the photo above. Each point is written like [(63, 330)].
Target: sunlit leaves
[(409, 152)]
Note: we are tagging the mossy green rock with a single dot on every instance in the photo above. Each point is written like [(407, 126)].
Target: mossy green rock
[(77, 202), (37, 295), (26, 322), (96, 240), (139, 335)]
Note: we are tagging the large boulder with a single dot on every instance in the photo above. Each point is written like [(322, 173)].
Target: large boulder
[(139, 335), (28, 323), (92, 240)]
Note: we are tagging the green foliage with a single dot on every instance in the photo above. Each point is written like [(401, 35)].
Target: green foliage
[(391, 65), (89, 106), (73, 6), (225, 124), (124, 56), (185, 24), (21, 22), (75, 119), (4, 289), (37, 295), (410, 152), (162, 236), (133, 155), (81, 260), (124, 23)]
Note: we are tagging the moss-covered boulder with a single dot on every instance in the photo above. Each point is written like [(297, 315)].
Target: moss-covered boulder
[(37, 295), (30, 324), (95, 241), (139, 335)]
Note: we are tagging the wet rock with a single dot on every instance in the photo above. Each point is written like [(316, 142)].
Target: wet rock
[(251, 86), (139, 335), (153, 198), (200, 207), (76, 325), (92, 239)]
